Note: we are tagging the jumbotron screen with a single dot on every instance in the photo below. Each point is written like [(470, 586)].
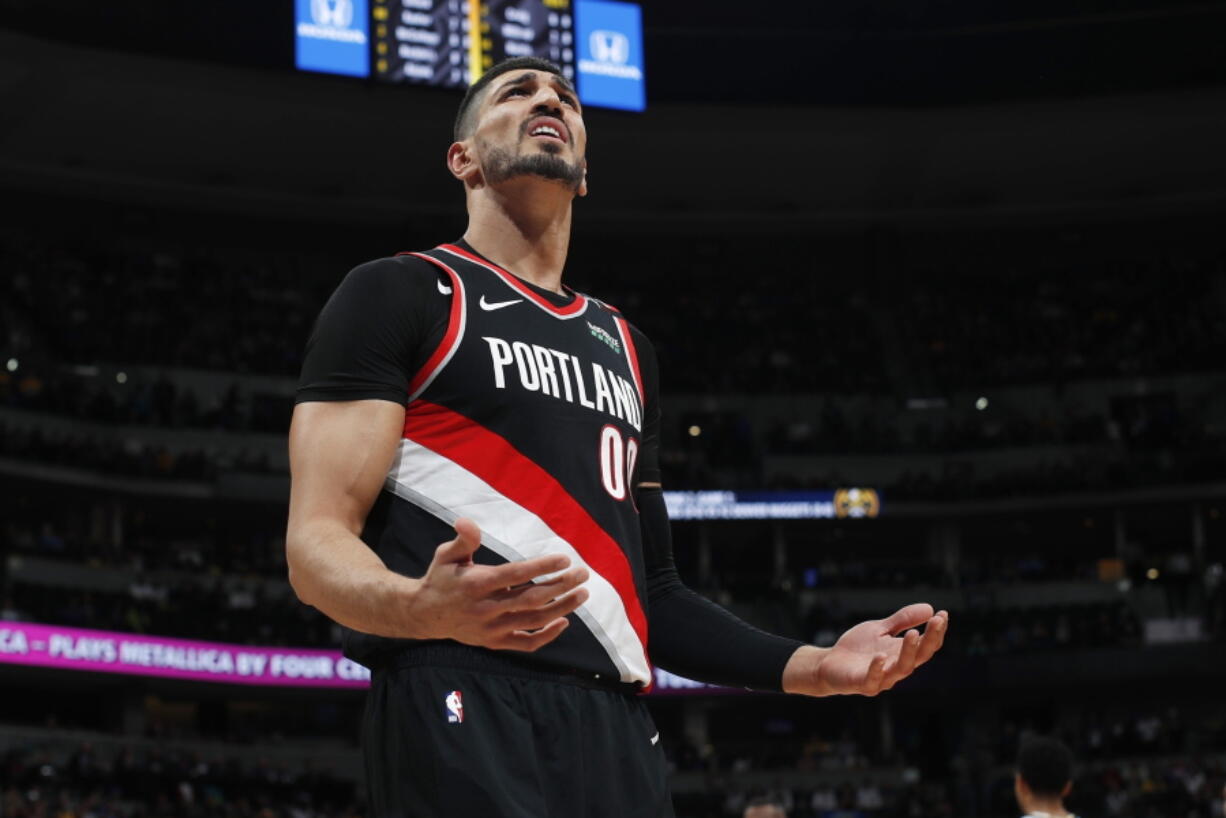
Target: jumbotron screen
[(449, 43)]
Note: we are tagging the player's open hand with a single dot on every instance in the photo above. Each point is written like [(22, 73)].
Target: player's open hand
[(494, 606), (870, 657)]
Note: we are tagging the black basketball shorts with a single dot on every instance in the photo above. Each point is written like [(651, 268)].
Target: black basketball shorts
[(463, 742)]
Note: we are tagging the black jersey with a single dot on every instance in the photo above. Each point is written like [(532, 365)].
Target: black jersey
[(536, 414), (527, 418)]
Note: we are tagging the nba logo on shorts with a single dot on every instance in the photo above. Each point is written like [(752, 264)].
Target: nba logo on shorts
[(455, 707)]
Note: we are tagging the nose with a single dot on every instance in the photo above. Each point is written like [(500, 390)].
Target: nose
[(548, 101)]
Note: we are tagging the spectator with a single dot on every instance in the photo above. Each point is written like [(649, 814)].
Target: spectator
[(764, 807), (1044, 778)]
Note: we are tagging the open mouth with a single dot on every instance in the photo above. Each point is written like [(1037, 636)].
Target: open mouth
[(547, 127)]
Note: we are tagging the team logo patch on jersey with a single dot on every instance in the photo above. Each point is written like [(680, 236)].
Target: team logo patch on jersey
[(454, 703), (603, 334)]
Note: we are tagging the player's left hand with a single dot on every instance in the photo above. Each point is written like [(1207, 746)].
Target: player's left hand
[(869, 657)]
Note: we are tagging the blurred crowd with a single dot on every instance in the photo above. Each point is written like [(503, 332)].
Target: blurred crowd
[(158, 402), (803, 327), (721, 458), (245, 611), (996, 630), (960, 479), (131, 566), (145, 302), (109, 456), (838, 427), (145, 781), (141, 547), (134, 783), (1062, 322), (152, 783), (1103, 732), (231, 611), (211, 610), (1139, 762), (1179, 788), (805, 324), (1056, 627), (1152, 788), (939, 329)]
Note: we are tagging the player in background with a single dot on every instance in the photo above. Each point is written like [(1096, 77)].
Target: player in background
[(463, 395), (1044, 778), (765, 807)]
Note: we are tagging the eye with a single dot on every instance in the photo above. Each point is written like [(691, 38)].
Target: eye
[(569, 100), (515, 92)]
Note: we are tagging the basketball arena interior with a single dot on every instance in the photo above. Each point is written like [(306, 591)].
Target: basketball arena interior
[(938, 290)]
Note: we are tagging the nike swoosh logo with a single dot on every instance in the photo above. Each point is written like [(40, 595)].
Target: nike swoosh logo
[(490, 306), (655, 738), (445, 290)]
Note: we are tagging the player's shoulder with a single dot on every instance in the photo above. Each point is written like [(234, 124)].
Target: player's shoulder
[(392, 286), (637, 335), (391, 278), (401, 267)]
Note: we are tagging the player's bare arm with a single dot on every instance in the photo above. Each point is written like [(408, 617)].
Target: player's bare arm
[(339, 456), (870, 657)]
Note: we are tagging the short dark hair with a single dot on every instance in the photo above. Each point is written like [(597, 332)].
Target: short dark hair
[(462, 126), (1045, 764)]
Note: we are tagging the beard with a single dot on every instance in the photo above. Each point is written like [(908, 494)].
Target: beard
[(502, 165)]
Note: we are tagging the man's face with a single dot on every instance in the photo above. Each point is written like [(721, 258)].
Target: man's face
[(530, 124)]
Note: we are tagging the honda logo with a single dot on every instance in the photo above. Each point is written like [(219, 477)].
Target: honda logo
[(610, 47), (334, 13)]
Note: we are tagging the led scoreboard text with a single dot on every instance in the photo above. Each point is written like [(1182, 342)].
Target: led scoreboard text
[(448, 43)]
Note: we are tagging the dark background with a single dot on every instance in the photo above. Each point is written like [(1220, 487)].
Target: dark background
[(842, 225)]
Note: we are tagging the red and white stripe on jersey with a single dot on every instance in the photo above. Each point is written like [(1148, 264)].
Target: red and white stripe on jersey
[(571, 310), (632, 355), (456, 321), (523, 512)]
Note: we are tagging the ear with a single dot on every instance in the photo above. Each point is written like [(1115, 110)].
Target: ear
[(461, 162)]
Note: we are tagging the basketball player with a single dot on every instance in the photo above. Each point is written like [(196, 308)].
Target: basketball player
[(765, 807), (464, 396), (1044, 778)]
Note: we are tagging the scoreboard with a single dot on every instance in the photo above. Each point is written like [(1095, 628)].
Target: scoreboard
[(450, 43), (433, 41)]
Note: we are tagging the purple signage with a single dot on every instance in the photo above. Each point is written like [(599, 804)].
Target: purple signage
[(25, 643)]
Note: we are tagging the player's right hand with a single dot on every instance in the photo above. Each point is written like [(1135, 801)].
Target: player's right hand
[(494, 606)]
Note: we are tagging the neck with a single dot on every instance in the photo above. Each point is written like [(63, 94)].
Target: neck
[(524, 226), (1047, 806)]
